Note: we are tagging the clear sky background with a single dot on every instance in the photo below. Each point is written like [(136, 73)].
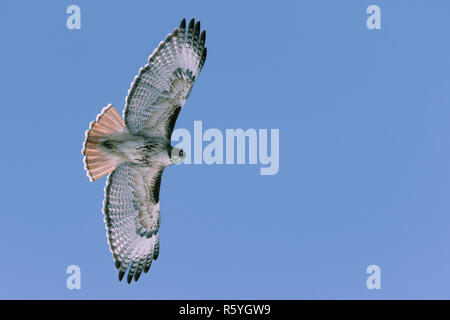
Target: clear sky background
[(364, 119)]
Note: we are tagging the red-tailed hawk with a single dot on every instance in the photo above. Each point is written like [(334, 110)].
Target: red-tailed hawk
[(135, 151)]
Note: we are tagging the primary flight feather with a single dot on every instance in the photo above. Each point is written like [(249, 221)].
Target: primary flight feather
[(135, 151)]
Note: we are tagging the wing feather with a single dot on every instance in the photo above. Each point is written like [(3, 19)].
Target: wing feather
[(163, 85), (131, 210)]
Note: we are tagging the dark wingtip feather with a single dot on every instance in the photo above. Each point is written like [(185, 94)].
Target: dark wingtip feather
[(183, 24), (197, 28), (203, 36), (121, 274), (191, 24), (136, 276), (203, 58), (156, 251), (129, 277)]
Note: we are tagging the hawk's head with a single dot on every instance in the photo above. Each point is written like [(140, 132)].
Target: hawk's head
[(177, 155)]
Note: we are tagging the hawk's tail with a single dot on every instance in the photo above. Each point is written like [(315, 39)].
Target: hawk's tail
[(96, 162)]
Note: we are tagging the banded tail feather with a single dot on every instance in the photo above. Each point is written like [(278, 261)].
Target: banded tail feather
[(97, 163)]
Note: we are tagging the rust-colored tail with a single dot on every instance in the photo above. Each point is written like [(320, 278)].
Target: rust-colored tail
[(96, 161)]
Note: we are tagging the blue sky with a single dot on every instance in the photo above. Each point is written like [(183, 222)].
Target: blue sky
[(364, 120)]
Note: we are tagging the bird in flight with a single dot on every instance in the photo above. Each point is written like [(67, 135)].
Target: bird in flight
[(135, 151)]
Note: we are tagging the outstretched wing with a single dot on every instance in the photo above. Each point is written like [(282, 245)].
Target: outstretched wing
[(131, 210), (162, 86)]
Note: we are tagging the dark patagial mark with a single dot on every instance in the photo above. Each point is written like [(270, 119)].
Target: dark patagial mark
[(156, 185), (172, 119)]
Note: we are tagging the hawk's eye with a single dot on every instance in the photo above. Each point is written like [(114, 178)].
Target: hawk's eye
[(181, 153)]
